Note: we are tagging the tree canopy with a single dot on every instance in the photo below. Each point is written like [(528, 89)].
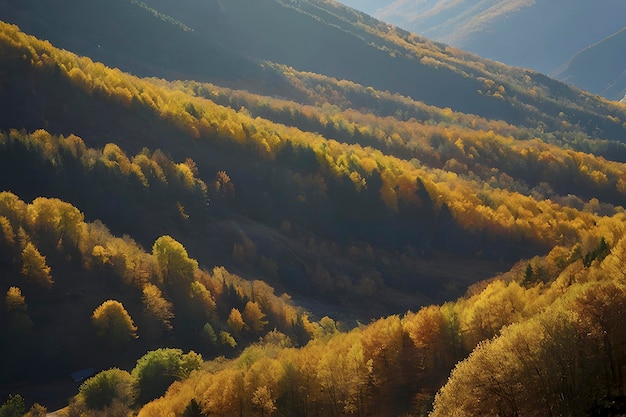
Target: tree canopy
[(113, 323)]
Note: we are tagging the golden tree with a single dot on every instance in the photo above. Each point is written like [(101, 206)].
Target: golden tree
[(174, 263), (235, 321), (34, 266), (16, 307), (157, 306), (254, 317), (113, 323)]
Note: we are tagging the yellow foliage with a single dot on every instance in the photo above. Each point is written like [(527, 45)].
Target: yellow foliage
[(235, 321), (14, 300), (34, 266), (113, 323)]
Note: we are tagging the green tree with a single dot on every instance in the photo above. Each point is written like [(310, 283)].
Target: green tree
[(107, 387), (193, 409), (208, 334), (13, 406), (156, 370), (113, 323), (189, 363)]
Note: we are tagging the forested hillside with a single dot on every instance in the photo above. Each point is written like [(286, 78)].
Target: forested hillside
[(381, 56), (281, 242)]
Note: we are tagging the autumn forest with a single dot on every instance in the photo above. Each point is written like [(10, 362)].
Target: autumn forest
[(212, 222)]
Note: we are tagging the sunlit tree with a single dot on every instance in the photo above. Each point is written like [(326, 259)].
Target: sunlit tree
[(113, 323), (34, 266), (175, 266)]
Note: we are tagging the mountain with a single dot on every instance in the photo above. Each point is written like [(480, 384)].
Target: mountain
[(599, 68), (321, 245), (320, 32), (128, 35), (540, 34)]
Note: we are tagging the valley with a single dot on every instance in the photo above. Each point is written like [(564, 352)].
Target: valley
[(352, 220)]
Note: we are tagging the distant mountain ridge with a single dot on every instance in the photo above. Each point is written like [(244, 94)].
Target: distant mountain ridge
[(599, 68), (539, 34)]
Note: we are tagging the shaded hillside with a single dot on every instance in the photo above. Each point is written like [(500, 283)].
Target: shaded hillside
[(129, 35), (58, 270), (322, 32), (165, 113), (317, 41), (317, 186), (599, 68), (319, 199), (323, 37), (541, 34)]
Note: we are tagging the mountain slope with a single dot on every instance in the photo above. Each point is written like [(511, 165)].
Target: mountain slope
[(59, 89), (107, 113), (53, 92), (358, 202), (599, 68), (321, 33), (128, 35), (535, 34), (315, 43)]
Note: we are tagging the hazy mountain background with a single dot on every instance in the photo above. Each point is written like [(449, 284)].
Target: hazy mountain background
[(540, 34), (599, 68)]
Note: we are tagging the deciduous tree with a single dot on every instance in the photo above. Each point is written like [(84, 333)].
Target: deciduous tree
[(175, 266), (34, 266), (157, 306), (235, 321), (113, 323), (107, 387), (15, 303), (157, 369), (253, 317)]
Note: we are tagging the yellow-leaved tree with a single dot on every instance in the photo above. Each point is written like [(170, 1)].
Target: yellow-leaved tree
[(235, 321), (16, 307), (113, 323), (174, 264), (157, 307), (254, 317), (34, 266)]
